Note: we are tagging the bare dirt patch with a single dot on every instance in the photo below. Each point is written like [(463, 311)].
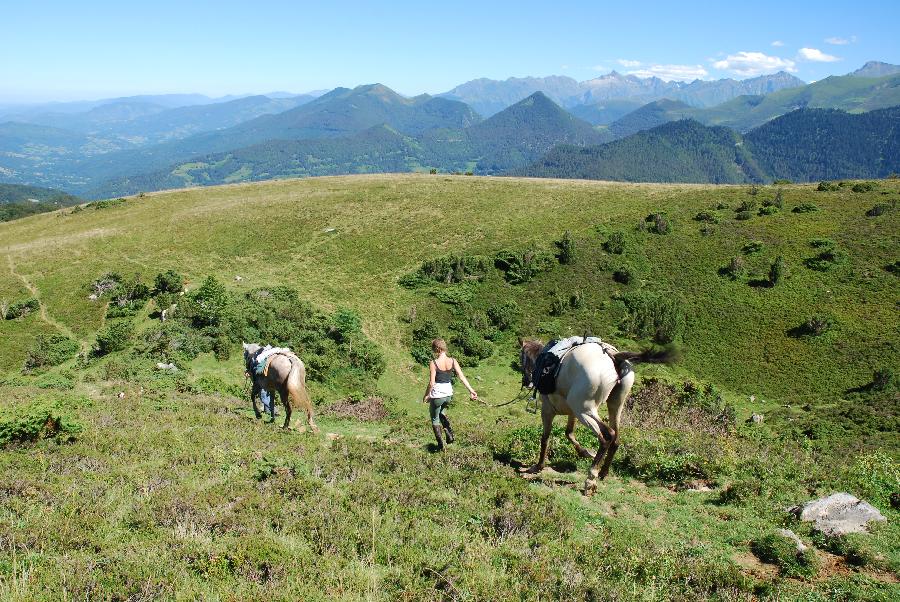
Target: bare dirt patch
[(369, 409)]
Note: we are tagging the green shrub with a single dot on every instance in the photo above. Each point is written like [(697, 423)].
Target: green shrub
[(169, 281), (768, 210), (20, 309), (825, 186), (106, 283), (781, 551), (566, 249), (60, 382), (826, 260), (776, 271), (752, 247), (558, 304), (669, 457), (33, 422), (521, 446), (881, 209), (655, 316), (207, 306), (743, 215), (777, 201), (114, 337), (105, 204), (875, 477), (781, 181), (50, 350), (707, 216), (822, 243), (854, 547), (623, 274), (816, 325), (457, 294), (805, 208), (519, 267), (748, 205), (504, 316), (735, 268), (658, 223), (423, 333), (449, 269), (863, 187), (472, 345), (615, 243)]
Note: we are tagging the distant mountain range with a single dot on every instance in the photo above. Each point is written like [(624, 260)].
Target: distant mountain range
[(143, 143), (804, 145), (490, 96)]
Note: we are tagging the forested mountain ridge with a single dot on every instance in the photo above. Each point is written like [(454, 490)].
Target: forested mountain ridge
[(804, 145)]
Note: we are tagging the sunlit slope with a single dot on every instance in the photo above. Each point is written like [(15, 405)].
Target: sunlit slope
[(280, 232)]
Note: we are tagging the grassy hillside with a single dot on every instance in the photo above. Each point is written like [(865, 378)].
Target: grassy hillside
[(175, 488)]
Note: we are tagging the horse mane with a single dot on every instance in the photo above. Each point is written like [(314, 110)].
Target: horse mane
[(532, 347)]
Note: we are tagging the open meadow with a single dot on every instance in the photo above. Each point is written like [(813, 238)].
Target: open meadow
[(121, 480)]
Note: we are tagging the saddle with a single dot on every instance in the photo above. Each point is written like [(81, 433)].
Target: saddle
[(549, 361), (263, 358)]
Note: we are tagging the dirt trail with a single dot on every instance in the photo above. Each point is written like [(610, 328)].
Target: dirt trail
[(45, 316)]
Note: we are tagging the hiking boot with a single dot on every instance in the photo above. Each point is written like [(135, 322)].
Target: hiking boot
[(437, 435), (447, 429)]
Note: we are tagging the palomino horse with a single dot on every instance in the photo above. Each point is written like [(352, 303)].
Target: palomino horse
[(587, 378), (286, 375)]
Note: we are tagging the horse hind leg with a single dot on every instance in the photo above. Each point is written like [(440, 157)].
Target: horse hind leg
[(300, 399), (604, 437), (570, 435), (615, 403), (285, 401)]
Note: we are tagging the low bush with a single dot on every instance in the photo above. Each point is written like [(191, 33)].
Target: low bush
[(505, 316), (748, 205), (752, 247), (169, 281), (826, 260), (615, 243), (781, 551), (658, 223), (50, 350), (805, 208), (854, 547), (743, 215), (654, 316), (881, 209), (521, 446), (863, 187), (707, 216), (448, 270), (522, 266), (825, 186), (31, 423), (114, 337), (566, 249), (623, 274), (776, 271), (768, 210), (20, 309), (815, 325)]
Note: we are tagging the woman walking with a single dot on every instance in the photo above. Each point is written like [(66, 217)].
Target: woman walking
[(440, 390)]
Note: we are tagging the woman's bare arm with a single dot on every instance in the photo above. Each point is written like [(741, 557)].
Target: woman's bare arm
[(462, 377), (431, 369)]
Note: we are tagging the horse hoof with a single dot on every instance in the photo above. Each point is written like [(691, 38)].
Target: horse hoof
[(531, 470), (590, 487)]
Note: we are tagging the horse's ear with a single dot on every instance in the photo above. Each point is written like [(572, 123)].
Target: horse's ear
[(244, 345)]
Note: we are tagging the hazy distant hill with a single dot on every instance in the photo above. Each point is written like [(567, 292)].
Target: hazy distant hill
[(512, 138), (805, 145), (606, 111), (21, 201), (340, 113), (876, 69)]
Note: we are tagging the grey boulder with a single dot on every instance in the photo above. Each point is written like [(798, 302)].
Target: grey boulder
[(838, 514)]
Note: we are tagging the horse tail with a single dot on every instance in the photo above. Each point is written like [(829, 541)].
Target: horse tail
[(662, 355), (296, 384)]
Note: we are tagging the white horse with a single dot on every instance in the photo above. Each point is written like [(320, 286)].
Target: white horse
[(588, 377)]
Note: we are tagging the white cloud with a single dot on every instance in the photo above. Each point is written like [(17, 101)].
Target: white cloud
[(600, 68), (754, 63), (627, 63), (672, 72), (777, 43), (816, 55), (838, 41)]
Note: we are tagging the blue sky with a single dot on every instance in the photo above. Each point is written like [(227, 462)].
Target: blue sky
[(93, 49)]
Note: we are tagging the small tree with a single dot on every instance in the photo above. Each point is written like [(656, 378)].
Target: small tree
[(566, 251), (776, 271)]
